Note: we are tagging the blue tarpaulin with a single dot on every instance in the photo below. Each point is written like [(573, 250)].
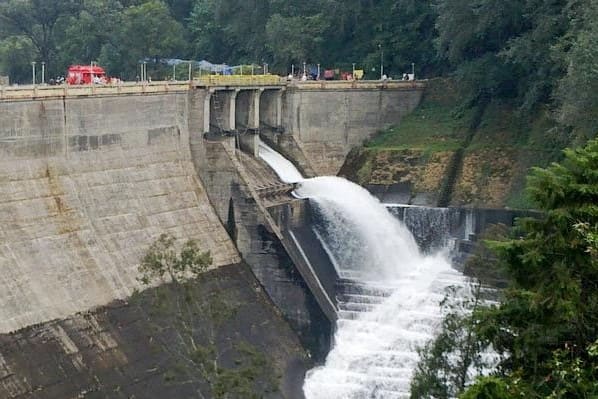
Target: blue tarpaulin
[(203, 65)]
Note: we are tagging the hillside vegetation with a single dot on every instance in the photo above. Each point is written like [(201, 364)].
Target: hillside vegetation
[(489, 151), (529, 55)]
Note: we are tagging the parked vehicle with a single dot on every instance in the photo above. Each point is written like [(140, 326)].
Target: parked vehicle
[(86, 75)]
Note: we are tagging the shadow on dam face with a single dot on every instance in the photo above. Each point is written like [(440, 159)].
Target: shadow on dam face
[(140, 348)]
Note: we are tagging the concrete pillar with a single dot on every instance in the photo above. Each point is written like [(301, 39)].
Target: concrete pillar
[(231, 110), (206, 111), (222, 109), (271, 108), (249, 143), (247, 109), (254, 109), (279, 109)]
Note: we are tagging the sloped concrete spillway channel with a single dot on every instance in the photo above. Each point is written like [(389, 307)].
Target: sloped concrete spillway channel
[(387, 296)]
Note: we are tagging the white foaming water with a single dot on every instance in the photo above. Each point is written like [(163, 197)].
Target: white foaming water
[(363, 237), (390, 303), (282, 166), (389, 294)]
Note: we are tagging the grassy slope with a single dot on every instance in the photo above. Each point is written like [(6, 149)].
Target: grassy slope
[(496, 159), (433, 126)]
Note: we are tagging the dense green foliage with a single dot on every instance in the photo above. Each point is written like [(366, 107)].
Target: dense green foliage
[(526, 52), (546, 325), (552, 302), (120, 34), (163, 260)]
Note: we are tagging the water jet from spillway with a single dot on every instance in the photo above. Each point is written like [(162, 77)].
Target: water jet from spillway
[(389, 293)]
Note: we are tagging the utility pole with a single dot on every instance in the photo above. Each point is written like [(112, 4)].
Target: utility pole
[(381, 61)]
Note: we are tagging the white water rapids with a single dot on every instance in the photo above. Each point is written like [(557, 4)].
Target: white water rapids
[(389, 304)]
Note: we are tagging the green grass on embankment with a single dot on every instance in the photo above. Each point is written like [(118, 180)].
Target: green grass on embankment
[(522, 139), (434, 126)]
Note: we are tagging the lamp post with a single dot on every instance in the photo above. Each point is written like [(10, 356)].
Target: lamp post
[(293, 70), (413, 70), (318, 77), (144, 71), (189, 71), (173, 72), (33, 72), (43, 72), (381, 61), (304, 72), (353, 71)]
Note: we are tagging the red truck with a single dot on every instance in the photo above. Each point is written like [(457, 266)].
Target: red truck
[(86, 75)]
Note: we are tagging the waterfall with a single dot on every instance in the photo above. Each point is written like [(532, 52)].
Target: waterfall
[(388, 295)]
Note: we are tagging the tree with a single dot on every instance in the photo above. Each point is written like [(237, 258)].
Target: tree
[(230, 369), (545, 327), (37, 20), (296, 39), (94, 26), (551, 306), (16, 53), (577, 90), (447, 361), (147, 32), (162, 260)]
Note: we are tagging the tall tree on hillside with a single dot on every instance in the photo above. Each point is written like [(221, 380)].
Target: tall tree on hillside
[(405, 29), (147, 32), (37, 20), (550, 310), (531, 51), (471, 36), (16, 52), (577, 92), (207, 32), (96, 25), (295, 39), (230, 31)]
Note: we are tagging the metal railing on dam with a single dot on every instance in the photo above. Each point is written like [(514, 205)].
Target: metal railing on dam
[(28, 92), (10, 93)]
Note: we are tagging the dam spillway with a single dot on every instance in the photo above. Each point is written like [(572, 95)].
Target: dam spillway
[(388, 292)]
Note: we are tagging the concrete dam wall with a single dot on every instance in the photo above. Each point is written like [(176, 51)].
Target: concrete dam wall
[(327, 123), (87, 183), (85, 186)]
